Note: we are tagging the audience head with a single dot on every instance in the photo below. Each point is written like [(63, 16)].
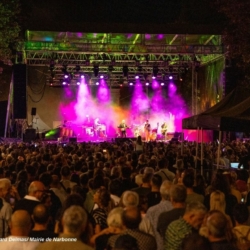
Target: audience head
[(74, 220), (165, 189), (5, 186), (130, 199), (194, 214), (131, 217), (115, 218), (217, 224), (240, 213), (126, 242), (217, 201), (178, 194), (36, 189), (20, 224), (188, 180), (40, 214)]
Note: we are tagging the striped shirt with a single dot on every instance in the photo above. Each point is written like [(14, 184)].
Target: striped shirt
[(176, 232)]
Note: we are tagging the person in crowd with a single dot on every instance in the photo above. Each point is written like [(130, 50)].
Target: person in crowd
[(115, 190), (5, 207), (131, 219), (241, 229), (217, 229), (41, 217), (154, 212), (132, 199), (33, 198), (178, 196), (74, 222), (188, 182), (65, 179), (179, 229), (195, 241), (20, 226), (115, 226), (164, 172), (100, 214), (154, 197)]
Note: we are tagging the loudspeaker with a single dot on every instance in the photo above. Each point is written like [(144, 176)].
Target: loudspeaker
[(33, 111), (122, 140), (30, 135), (19, 91), (3, 112), (72, 139)]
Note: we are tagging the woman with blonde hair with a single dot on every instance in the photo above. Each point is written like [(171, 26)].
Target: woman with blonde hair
[(218, 202)]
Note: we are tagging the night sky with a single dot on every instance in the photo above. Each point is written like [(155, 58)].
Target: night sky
[(72, 14)]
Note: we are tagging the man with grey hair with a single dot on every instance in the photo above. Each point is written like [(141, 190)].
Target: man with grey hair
[(131, 199), (5, 207), (154, 212), (178, 195), (179, 229), (217, 225), (74, 223), (35, 193)]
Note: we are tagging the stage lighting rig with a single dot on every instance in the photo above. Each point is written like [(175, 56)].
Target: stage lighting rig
[(155, 71), (125, 70)]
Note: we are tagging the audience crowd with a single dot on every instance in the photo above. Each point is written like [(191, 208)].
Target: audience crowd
[(110, 195)]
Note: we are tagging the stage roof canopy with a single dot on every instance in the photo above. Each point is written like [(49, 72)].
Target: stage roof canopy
[(110, 52)]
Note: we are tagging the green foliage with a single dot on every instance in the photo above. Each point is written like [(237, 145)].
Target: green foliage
[(237, 33), (9, 28)]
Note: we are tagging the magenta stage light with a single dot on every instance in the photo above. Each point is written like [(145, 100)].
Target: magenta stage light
[(66, 76), (82, 76), (101, 76), (147, 83), (97, 83), (78, 83), (136, 77), (170, 77), (153, 77), (64, 83), (162, 84), (131, 84)]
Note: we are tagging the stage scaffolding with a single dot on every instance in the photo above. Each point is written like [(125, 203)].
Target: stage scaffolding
[(170, 53)]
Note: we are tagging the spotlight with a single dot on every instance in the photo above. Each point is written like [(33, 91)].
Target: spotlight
[(137, 77), (131, 84), (97, 83), (170, 77), (78, 83), (155, 71), (96, 70), (101, 76), (125, 71), (162, 84), (147, 83), (64, 83), (66, 75), (153, 77), (82, 76)]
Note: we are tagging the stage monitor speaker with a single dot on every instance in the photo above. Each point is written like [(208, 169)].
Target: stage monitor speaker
[(33, 111), (72, 139), (30, 135), (122, 140), (19, 91)]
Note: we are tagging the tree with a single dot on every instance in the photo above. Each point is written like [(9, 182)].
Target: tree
[(236, 37), (9, 28)]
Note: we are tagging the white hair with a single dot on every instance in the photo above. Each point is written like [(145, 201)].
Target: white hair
[(115, 217), (130, 199)]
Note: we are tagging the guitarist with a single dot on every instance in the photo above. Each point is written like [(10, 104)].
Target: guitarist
[(123, 127), (164, 128)]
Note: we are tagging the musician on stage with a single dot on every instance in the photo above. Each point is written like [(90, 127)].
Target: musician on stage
[(147, 129), (123, 127), (164, 128)]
